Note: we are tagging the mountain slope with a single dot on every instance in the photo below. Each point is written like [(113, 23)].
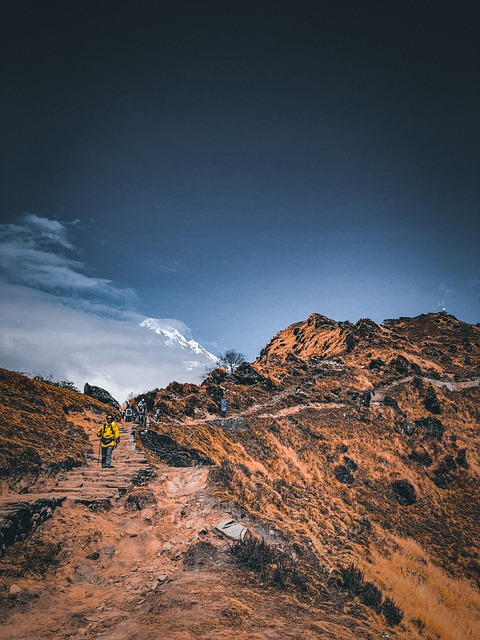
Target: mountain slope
[(359, 444), (350, 451)]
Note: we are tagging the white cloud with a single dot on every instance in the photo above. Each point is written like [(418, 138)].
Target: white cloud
[(35, 252), (39, 334), (56, 320)]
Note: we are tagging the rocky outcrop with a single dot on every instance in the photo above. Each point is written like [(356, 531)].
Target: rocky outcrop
[(432, 426), (171, 452), (101, 395), (431, 401), (18, 518)]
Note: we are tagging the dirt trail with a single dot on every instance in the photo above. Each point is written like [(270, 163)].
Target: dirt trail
[(156, 573)]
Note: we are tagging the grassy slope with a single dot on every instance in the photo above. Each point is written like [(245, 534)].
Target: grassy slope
[(38, 429), (280, 463)]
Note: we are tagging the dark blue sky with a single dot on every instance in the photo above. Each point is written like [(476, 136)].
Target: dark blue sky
[(241, 165)]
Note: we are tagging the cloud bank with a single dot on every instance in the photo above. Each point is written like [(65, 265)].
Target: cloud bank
[(56, 319)]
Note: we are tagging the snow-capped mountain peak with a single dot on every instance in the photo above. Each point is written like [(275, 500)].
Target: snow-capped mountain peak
[(172, 338)]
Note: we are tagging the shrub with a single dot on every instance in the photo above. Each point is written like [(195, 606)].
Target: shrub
[(371, 596), (352, 579), (393, 614), (223, 474), (275, 566)]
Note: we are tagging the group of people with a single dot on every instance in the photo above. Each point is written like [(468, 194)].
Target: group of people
[(137, 413), (109, 433)]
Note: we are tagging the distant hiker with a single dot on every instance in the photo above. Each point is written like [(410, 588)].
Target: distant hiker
[(142, 418), (223, 405), (109, 438), (128, 413), (158, 414), (142, 404)]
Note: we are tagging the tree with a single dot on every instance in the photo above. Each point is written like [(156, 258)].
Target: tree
[(231, 359)]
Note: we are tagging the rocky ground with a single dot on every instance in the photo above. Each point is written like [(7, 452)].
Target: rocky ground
[(152, 566)]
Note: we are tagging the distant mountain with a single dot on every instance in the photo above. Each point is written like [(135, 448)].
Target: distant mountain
[(173, 338)]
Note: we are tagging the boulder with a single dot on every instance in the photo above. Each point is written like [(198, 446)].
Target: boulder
[(101, 395), (404, 492), (343, 474), (432, 426), (431, 401)]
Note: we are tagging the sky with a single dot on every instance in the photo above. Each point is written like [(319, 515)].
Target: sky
[(233, 166)]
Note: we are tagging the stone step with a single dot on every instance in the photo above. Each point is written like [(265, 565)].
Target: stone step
[(87, 495)]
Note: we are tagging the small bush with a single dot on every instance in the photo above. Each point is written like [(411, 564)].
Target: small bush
[(32, 556), (223, 474), (274, 566), (371, 596), (352, 579), (393, 614)]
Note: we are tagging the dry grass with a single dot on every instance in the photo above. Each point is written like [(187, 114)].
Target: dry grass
[(39, 429), (434, 600)]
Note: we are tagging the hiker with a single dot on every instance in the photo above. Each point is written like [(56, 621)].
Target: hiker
[(158, 414), (223, 406), (128, 413), (142, 420), (109, 438)]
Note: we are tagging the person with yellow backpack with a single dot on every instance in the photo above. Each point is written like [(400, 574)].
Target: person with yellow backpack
[(109, 438)]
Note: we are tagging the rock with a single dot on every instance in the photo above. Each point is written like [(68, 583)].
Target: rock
[(139, 499), (431, 401), (15, 590), (421, 457), (350, 342), (231, 529), (461, 458), (432, 426), (365, 398), (376, 364), (388, 401), (100, 394), (350, 464), (443, 475), (404, 492), (343, 475), (246, 374)]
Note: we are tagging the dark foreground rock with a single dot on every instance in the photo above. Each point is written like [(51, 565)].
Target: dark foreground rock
[(171, 452), (18, 518)]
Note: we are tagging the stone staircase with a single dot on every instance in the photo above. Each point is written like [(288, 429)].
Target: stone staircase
[(92, 483), (22, 513)]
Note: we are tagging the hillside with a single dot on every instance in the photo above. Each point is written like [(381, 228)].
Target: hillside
[(351, 454), (359, 443), (41, 428)]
